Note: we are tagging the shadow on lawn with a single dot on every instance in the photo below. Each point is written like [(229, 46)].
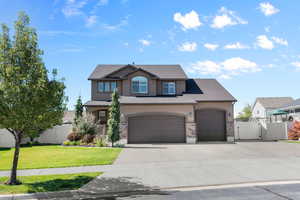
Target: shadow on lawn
[(58, 184), (5, 149)]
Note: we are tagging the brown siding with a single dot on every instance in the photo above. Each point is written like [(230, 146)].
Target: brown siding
[(102, 96), (180, 86), (127, 84)]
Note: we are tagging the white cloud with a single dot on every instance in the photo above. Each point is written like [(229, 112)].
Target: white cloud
[(91, 20), (114, 27), (238, 65), (73, 8), (225, 18), (188, 21), (267, 29), (224, 76), (268, 9), (280, 41), (226, 69), (206, 67), (102, 2), (296, 64), (264, 42), (188, 46), (236, 45), (210, 46), (145, 42)]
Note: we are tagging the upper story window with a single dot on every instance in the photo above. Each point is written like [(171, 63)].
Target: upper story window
[(107, 86), (139, 84), (169, 88)]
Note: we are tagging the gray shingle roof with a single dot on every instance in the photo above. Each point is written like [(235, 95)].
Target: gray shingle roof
[(198, 90), (161, 71), (208, 90), (293, 104), (274, 102)]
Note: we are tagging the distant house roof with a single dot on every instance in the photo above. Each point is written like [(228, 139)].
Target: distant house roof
[(274, 102), (198, 90), (161, 71), (291, 105)]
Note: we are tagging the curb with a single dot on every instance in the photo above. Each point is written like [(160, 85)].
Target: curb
[(165, 191)]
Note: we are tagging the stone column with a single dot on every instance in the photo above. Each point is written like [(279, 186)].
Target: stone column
[(190, 129)]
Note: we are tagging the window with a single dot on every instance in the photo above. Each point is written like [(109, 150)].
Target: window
[(139, 84), (169, 88), (107, 86), (102, 116)]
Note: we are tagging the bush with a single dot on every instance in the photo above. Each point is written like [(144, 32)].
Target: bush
[(67, 143), (85, 126), (100, 142), (73, 137), (88, 138)]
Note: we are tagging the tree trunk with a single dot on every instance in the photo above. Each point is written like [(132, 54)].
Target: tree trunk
[(13, 176)]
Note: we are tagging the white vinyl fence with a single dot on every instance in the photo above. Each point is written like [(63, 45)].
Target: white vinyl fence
[(257, 131), (56, 135), (247, 131), (276, 131)]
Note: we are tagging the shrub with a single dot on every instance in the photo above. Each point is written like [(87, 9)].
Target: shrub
[(73, 137), (100, 142), (88, 138), (67, 142)]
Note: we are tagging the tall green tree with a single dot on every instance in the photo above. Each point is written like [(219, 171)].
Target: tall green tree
[(29, 100), (114, 119), (78, 110), (246, 113)]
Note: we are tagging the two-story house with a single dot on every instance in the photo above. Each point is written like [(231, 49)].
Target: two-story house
[(159, 104)]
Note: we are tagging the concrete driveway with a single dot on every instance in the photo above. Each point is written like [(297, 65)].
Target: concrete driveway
[(184, 165)]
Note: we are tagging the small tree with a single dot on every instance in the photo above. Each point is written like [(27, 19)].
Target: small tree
[(114, 119), (29, 100), (78, 110), (245, 114)]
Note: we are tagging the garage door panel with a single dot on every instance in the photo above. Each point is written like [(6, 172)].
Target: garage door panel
[(156, 129), (211, 125)]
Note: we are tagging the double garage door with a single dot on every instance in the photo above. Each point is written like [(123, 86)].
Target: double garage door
[(210, 126), (156, 129)]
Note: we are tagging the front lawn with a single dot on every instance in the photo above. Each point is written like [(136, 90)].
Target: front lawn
[(292, 141), (52, 156), (47, 183)]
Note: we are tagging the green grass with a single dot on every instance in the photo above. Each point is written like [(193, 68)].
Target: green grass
[(51, 156), (292, 141), (47, 183)]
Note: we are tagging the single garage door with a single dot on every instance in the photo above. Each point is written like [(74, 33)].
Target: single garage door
[(211, 125), (156, 129)]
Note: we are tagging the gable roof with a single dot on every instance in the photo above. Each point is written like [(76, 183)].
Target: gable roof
[(161, 71), (273, 102), (293, 104)]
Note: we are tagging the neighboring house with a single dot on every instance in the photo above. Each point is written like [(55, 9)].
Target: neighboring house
[(159, 104), (263, 106), (293, 109)]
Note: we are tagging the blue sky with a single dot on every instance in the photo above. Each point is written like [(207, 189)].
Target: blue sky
[(251, 47)]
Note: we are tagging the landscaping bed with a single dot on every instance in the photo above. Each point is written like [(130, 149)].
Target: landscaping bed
[(55, 156), (47, 183)]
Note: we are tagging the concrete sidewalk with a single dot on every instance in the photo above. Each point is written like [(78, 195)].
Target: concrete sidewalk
[(67, 170)]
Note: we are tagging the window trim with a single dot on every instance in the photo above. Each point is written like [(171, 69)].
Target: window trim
[(104, 83), (139, 92), (168, 82)]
